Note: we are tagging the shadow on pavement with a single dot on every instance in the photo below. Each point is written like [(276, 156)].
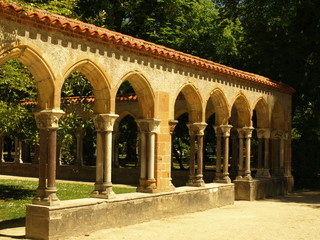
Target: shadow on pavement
[(12, 224), (309, 198)]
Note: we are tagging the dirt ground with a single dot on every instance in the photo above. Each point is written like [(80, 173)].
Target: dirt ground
[(293, 217)]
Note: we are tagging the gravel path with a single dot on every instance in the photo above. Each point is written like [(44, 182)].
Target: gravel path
[(293, 217)]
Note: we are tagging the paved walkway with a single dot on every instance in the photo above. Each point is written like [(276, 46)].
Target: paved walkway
[(294, 217)]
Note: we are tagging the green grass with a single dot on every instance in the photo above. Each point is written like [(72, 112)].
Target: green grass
[(15, 194)]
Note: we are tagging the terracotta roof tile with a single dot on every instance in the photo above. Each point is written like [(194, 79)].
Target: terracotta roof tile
[(61, 22)]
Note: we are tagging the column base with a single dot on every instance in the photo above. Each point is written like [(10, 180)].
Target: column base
[(224, 179), (247, 178), (196, 181), (48, 199), (259, 173), (103, 191), (147, 186), (266, 173)]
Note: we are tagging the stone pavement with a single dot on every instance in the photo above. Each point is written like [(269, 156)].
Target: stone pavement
[(294, 217)]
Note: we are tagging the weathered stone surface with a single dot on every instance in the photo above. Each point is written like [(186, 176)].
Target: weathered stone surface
[(75, 217)]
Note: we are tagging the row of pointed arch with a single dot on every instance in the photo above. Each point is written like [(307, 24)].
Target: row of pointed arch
[(49, 90)]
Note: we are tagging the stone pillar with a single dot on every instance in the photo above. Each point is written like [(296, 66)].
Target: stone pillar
[(115, 150), (196, 129), (172, 126), (79, 136), (263, 155), (2, 148), (198, 181), (235, 153), (266, 172), (192, 155), (278, 136), (148, 129), (225, 129), (218, 153), (287, 164), (47, 122), (240, 169), (17, 150), (248, 135), (104, 126)]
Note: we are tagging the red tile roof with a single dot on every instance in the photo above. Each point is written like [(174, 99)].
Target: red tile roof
[(121, 97), (83, 29)]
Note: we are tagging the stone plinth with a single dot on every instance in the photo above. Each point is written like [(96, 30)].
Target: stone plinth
[(262, 188), (82, 216)]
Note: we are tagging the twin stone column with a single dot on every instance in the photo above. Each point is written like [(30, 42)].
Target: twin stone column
[(104, 127), (148, 128), (47, 122), (196, 130)]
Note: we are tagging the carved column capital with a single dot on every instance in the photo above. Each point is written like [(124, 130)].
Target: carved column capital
[(279, 134), (148, 124), (48, 119), (172, 125), (200, 127), (225, 129), (104, 122), (263, 133), (248, 132)]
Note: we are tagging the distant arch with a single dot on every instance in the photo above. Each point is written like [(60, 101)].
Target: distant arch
[(278, 116), (32, 58), (144, 92), (262, 113), (98, 80), (220, 106), (240, 112), (194, 102)]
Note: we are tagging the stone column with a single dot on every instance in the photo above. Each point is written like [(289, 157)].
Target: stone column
[(148, 129), (266, 172), (218, 153), (104, 126), (248, 134), (192, 166), (198, 181), (287, 165), (235, 153), (240, 169), (115, 150), (225, 129), (172, 126), (79, 136), (47, 122), (2, 148), (278, 137), (17, 150)]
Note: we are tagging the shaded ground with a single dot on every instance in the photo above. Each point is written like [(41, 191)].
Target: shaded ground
[(294, 217)]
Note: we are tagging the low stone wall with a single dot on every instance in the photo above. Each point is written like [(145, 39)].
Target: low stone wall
[(262, 188), (79, 217)]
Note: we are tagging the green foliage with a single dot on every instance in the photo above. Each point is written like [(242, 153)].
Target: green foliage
[(16, 87)]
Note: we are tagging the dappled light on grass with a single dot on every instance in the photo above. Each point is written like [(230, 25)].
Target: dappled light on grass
[(15, 194)]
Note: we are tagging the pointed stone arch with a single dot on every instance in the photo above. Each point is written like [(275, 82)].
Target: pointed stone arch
[(240, 112), (220, 106), (278, 117), (143, 91), (122, 115), (98, 80), (32, 58), (194, 102), (262, 113)]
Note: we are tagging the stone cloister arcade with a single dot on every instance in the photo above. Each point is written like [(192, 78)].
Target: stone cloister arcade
[(52, 47)]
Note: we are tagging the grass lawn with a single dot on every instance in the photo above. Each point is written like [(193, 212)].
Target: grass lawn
[(15, 194)]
